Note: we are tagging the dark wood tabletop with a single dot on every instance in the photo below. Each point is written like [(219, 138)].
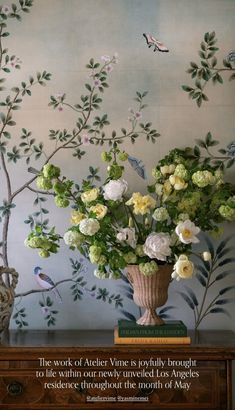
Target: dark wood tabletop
[(208, 342)]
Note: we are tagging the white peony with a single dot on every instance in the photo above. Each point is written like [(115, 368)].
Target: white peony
[(128, 235), (183, 268), (187, 232), (115, 189), (157, 245), (89, 226)]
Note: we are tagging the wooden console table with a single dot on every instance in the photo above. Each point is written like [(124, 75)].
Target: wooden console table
[(21, 389)]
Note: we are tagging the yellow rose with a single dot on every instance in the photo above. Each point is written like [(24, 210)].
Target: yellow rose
[(91, 195), (183, 268), (76, 217), (99, 210), (177, 182)]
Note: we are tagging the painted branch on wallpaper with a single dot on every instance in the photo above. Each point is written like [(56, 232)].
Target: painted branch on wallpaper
[(207, 70), (209, 274), (88, 129)]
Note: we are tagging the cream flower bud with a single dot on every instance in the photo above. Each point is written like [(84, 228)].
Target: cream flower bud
[(206, 256)]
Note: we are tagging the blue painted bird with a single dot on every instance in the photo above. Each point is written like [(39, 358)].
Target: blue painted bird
[(46, 282), (138, 166)]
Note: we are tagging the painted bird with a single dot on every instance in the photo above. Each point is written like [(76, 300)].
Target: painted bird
[(46, 282), (157, 45)]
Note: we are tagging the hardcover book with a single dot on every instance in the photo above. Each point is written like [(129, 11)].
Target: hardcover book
[(171, 328), (185, 340)]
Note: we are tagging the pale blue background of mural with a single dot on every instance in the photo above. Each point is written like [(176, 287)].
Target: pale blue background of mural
[(60, 36)]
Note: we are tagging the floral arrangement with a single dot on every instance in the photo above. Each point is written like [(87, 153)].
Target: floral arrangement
[(114, 228)]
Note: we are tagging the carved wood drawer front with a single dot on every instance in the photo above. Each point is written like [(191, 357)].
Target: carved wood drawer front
[(19, 386)]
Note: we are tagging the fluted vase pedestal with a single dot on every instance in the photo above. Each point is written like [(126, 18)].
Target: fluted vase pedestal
[(150, 292)]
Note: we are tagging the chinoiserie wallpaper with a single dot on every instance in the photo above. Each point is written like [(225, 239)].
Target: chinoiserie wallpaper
[(58, 39)]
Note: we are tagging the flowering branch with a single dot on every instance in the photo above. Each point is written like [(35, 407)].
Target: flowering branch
[(208, 71)]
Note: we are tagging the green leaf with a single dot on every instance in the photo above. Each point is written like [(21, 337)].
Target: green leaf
[(88, 87), (232, 77), (187, 88)]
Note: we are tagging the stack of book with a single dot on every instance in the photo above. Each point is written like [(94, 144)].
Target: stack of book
[(172, 332)]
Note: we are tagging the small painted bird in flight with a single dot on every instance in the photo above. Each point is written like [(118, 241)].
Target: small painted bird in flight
[(157, 45), (46, 282)]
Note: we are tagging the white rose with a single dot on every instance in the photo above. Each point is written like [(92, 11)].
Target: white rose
[(115, 189), (89, 226), (183, 268), (128, 235), (157, 245)]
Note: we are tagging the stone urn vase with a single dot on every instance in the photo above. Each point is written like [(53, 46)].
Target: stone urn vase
[(150, 292), (7, 295)]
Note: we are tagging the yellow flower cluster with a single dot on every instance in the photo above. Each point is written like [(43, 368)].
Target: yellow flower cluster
[(89, 196), (99, 210), (76, 217), (178, 182), (142, 203)]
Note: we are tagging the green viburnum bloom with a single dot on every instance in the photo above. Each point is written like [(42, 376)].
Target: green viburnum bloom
[(156, 173), (130, 257), (181, 171), (160, 214), (115, 171), (51, 171), (46, 244), (94, 253), (43, 183), (102, 260), (59, 187), (34, 242), (231, 202), (227, 212), (73, 238), (190, 204), (148, 268), (139, 250), (43, 253), (106, 156), (61, 202), (123, 156), (203, 178)]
